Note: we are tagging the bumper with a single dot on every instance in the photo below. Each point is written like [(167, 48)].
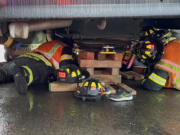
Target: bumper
[(103, 8)]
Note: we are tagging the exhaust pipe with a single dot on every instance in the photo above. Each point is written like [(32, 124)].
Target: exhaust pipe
[(21, 30)]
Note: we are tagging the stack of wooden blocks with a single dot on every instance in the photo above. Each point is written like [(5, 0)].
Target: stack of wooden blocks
[(93, 62)]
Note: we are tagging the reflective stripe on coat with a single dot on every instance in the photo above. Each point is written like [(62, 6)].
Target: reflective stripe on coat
[(52, 51), (170, 62)]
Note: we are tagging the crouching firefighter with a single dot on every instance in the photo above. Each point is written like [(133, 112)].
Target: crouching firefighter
[(166, 71), (40, 66)]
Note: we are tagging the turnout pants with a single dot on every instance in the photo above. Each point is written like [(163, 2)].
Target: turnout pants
[(36, 71)]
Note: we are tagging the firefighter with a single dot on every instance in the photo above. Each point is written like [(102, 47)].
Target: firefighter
[(40, 66), (166, 71)]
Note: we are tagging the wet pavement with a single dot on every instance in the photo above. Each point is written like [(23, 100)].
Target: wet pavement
[(43, 113)]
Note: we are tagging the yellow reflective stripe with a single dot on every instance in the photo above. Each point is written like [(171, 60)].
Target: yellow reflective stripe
[(147, 52), (66, 57), (177, 81), (73, 74), (99, 85), (167, 34), (146, 34), (169, 39), (53, 50), (86, 84), (151, 31), (30, 74), (169, 66), (149, 47), (157, 79), (68, 70), (37, 57), (154, 80), (55, 63), (28, 56), (93, 84), (43, 52), (147, 42), (41, 58), (144, 57), (78, 72)]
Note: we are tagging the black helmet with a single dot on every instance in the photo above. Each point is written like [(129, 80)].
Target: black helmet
[(149, 31), (92, 89), (146, 51), (69, 74), (164, 35)]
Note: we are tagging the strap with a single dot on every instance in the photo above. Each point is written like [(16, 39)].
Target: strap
[(131, 62)]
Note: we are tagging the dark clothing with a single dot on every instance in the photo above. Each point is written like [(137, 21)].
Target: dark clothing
[(40, 71)]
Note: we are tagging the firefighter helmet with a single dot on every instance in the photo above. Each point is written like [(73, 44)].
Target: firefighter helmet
[(149, 31), (146, 52), (69, 74), (164, 35), (92, 89)]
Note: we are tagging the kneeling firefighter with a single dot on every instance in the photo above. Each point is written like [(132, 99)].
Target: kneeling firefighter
[(40, 66), (166, 71)]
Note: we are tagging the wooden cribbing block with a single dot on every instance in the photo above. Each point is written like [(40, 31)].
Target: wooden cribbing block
[(115, 71), (139, 69), (126, 75), (102, 71), (113, 90), (86, 55), (118, 56), (100, 63), (62, 87), (132, 75), (136, 76), (101, 56), (108, 79), (127, 88)]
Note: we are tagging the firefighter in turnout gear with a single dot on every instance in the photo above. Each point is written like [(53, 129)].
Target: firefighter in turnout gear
[(166, 71), (39, 66)]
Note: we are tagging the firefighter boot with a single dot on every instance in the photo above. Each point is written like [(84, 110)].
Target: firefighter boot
[(20, 81)]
